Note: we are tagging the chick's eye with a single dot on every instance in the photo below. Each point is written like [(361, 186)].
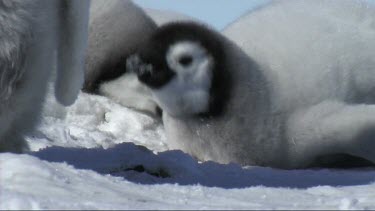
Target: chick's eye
[(185, 60)]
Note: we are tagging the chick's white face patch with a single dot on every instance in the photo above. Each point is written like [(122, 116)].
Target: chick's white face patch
[(189, 91)]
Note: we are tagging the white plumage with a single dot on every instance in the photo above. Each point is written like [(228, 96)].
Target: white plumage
[(188, 93)]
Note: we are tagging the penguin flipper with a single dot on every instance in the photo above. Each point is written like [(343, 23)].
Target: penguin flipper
[(73, 35)]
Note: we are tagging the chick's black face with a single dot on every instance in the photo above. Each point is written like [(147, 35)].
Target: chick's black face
[(152, 55)]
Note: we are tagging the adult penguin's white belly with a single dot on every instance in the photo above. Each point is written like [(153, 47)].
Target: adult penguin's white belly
[(312, 50), (300, 95)]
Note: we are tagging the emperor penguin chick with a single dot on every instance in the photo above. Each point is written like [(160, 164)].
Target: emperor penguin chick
[(220, 103)]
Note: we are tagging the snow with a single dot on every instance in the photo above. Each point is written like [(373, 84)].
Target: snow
[(97, 154)]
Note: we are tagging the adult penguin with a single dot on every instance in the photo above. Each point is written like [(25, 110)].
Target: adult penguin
[(37, 37), (300, 96)]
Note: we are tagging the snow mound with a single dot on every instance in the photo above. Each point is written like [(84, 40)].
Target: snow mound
[(30, 183), (96, 121), (97, 154)]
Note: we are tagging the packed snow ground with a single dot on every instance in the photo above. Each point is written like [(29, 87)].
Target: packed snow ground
[(97, 154)]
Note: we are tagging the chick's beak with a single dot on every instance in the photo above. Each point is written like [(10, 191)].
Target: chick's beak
[(136, 65)]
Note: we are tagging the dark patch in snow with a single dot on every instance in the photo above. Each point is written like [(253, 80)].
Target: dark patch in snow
[(140, 168)]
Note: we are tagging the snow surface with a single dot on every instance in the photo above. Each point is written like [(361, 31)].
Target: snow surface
[(97, 154)]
